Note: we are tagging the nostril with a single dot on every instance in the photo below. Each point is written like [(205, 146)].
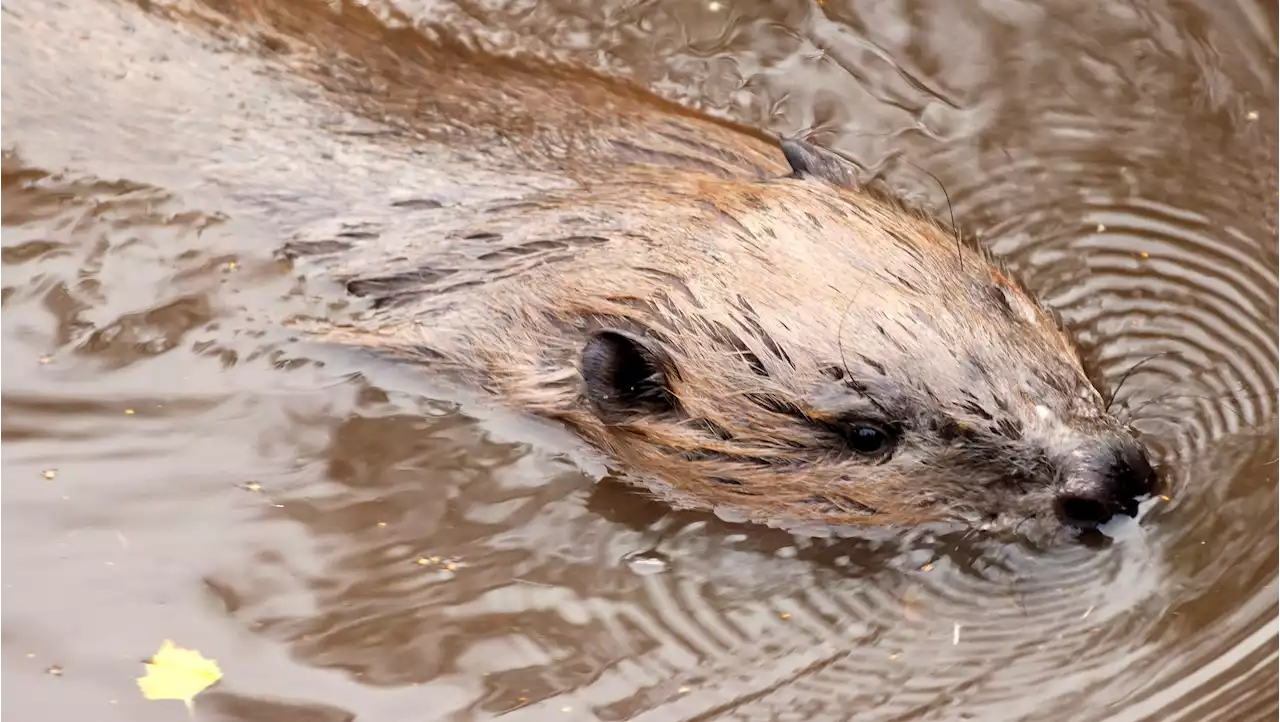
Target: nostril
[(1083, 512), (1101, 480)]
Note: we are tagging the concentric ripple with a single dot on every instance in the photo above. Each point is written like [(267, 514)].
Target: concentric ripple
[(425, 559), (1154, 238), (1160, 258)]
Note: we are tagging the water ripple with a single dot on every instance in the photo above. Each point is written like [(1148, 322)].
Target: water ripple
[(1112, 154)]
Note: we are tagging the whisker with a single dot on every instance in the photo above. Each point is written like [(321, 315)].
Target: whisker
[(955, 230), (1116, 391)]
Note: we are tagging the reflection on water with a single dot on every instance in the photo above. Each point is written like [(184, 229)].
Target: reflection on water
[(349, 547)]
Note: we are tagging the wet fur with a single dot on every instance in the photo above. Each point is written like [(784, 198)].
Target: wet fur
[(745, 287), (781, 303)]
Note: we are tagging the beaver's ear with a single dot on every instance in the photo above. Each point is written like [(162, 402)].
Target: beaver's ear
[(626, 376), (810, 161)]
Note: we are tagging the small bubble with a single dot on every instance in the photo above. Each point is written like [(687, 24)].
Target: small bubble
[(129, 412), (647, 562), (49, 474), (232, 266), (894, 656), (46, 360), (382, 523), (1144, 254), (251, 486), (787, 553), (1251, 115), (1102, 228), (785, 615), (55, 670), (714, 6), (683, 690), (566, 709), (422, 561)]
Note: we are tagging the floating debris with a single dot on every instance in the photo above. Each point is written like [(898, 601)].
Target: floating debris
[(646, 563), (54, 670), (177, 673)]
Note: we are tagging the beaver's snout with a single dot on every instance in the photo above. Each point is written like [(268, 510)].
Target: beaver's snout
[(1104, 479)]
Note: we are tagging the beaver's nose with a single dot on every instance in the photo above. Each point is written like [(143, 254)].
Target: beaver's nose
[(1102, 480)]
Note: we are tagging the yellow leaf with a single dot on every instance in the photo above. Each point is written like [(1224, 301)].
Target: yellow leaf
[(177, 673)]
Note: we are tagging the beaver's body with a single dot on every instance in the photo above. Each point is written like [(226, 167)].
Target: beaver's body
[(783, 348), (732, 334)]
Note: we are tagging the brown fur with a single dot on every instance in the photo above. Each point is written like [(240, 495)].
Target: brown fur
[(779, 314), (761, 293)]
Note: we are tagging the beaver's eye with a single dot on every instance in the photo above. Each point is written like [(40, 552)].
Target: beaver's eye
[(868, 439)]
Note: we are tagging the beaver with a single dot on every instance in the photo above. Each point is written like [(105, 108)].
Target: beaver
[(735, 324), (794, 350)]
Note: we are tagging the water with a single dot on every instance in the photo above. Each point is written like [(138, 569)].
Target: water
[(349, 544)]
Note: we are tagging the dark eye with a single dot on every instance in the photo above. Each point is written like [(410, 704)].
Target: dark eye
[(868, 439)]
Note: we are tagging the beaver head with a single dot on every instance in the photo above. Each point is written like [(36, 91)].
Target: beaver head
[(892, 381), (792, 351)]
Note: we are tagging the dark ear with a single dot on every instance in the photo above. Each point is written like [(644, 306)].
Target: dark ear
[(810, 161), (625, 376)]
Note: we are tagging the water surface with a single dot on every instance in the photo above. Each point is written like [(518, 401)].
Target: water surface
[(349, 546)]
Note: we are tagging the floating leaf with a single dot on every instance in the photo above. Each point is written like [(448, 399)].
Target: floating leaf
[(177, 673)]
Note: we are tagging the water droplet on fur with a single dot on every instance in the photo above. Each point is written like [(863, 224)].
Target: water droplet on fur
[(733, 516)]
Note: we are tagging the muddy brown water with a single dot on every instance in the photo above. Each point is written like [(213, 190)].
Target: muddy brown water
[(349, 544)]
